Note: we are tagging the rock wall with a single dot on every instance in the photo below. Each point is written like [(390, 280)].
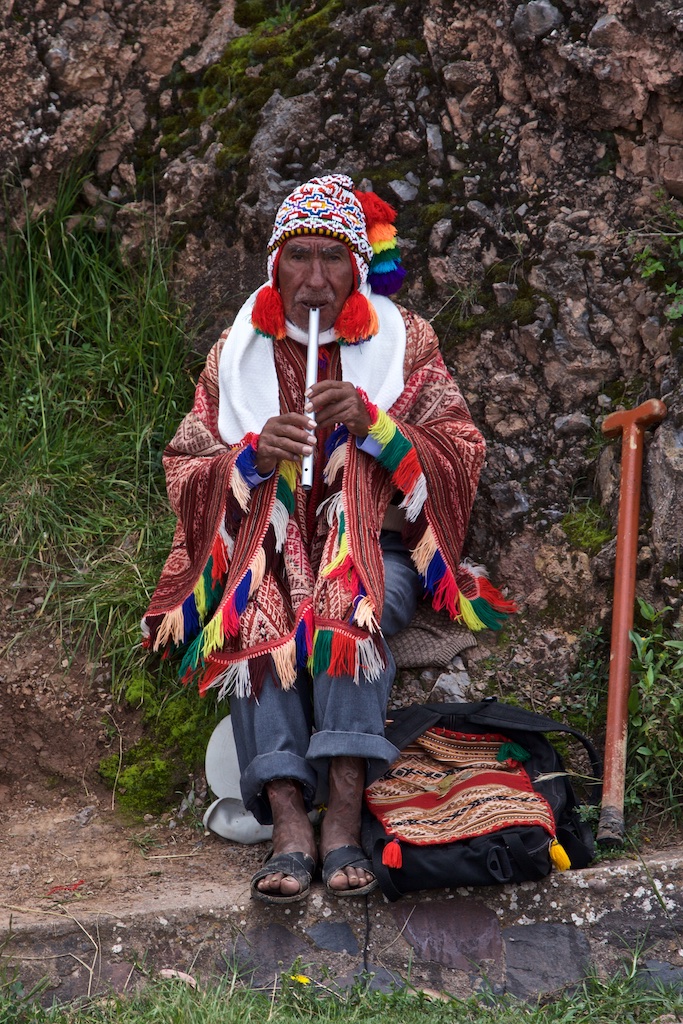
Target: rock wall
[(528, 148)]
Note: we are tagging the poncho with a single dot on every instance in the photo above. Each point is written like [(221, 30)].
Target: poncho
[(259, 576)]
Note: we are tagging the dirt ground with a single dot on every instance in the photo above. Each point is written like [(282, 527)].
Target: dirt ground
[(167, 894), (62, 837)]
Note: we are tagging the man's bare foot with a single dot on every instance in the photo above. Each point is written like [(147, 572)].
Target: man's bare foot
[(292, 833), (341, 824)]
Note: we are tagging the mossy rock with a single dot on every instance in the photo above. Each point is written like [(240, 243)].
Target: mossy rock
[(177, 727), (144, 786), (233, 99), (587, 527)]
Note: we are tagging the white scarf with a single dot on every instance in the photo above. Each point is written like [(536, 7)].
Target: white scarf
[(247, 378)]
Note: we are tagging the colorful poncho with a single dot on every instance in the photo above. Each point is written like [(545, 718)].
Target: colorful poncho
[(257, 577)]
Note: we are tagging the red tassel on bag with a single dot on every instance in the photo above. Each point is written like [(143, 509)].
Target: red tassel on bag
[(392, 856)]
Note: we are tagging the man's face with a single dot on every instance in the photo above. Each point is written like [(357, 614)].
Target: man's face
[(314, 272)]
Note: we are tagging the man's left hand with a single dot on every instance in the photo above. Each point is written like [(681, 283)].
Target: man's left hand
[(337, 401)]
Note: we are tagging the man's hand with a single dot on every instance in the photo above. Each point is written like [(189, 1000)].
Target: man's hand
[(337, 401), (289, 436)]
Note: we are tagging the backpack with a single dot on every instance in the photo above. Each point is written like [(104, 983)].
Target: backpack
[(479, 796)]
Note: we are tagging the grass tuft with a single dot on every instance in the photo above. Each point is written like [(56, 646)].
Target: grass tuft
[(94, 383), (601, 1002), (94, 377)]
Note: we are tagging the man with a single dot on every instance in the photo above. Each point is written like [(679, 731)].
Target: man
[(281, 597)]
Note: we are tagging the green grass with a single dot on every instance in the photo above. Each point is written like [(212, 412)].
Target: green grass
[(163, 1002), (93, 379), (587, 526), (654, 773)]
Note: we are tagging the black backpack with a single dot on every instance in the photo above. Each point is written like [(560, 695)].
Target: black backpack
[(516, 853)]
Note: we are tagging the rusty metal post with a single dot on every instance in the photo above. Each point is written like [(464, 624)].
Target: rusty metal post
[(631, 425)]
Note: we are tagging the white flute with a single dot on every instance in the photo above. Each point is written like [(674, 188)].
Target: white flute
[(311, 378)]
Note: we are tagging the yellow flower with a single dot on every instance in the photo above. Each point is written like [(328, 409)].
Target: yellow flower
[(301, 978)]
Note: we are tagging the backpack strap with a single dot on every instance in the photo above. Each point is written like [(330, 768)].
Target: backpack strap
[(508, 716), (406, 724), (577, 839), (519, 853), (382, 873)]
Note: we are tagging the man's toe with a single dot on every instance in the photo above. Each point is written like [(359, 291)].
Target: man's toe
[(278, 882), (350, 878)]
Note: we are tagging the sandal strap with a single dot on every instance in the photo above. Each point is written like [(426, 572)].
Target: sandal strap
[(345, 857), (297, 865)]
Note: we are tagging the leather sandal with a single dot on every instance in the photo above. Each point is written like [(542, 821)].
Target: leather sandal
[(347, 857), (299, 866)]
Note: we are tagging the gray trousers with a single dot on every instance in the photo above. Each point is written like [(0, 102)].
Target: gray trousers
[(292, 734)]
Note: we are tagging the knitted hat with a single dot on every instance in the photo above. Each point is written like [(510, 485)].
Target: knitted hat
[(331, 207)]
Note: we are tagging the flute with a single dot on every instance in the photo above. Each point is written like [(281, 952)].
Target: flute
[(311, 378)]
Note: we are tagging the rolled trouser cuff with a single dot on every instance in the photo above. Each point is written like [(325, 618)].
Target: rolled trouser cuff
[(377, 751)]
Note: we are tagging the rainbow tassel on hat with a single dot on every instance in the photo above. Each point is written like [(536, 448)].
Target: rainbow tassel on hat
[(386, 273)]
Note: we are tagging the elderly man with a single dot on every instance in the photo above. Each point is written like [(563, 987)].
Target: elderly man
[(282, 597)]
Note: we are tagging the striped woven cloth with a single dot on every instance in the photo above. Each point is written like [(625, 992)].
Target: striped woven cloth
[(269, 575), (450, 786)]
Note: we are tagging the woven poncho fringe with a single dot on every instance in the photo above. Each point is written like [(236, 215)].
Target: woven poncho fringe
[(219, 599)]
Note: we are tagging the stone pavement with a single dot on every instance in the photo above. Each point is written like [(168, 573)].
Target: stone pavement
[(527, 941)]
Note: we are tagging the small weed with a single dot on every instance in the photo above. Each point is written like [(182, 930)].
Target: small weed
[(145, 841), (661, 260), (654, 763), (284, 16), (655, 749)]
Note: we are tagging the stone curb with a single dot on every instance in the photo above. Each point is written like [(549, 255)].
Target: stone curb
[(526, 941)]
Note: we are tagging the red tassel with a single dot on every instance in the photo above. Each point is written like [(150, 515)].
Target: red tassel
[(308, 626), (407, 473), (494, 596), (357, 320), (375, 209), (268, 314), (343, 656), (355, 582), (392, 855), (446, 594), (219, 566), (343, 569), (212, 672), (231, 620)]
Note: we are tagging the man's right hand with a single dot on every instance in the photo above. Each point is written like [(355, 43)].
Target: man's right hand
[(289, 436)]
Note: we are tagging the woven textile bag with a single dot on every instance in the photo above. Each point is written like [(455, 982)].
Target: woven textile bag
[(479, 796)]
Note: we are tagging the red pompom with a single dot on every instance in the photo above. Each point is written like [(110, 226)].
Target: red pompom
[(375, 209), (357, 320), (268, 314), (392, 855)]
